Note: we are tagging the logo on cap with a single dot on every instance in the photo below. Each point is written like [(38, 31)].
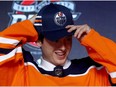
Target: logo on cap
[(60, 18)]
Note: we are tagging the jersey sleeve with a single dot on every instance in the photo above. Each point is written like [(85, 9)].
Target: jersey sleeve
[(102, 50), (11, 57), (20, 32)]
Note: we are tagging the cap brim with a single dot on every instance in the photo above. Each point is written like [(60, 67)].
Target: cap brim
[(57, 34)]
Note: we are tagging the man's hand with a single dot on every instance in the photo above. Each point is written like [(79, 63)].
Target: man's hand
[(32, 19), (80, 30)]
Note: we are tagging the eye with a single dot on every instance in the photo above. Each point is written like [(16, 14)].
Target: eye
[(56, 41), (69, 38)]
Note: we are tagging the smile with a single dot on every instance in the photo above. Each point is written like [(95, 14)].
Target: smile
[(60, 53)]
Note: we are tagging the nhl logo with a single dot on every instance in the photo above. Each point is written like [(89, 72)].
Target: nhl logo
[(60, 19)]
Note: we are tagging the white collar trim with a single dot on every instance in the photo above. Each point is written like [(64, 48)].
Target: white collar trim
[(50, 67)]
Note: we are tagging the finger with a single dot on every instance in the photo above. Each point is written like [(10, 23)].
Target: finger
[(77, 31), (82, 31), (32, 19), (69, 26), (34, 16), (72, 29)]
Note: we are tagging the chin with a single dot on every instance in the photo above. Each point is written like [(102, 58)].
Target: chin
[(60, 62)]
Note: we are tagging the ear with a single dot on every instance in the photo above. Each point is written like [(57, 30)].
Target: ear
[(39, 43)]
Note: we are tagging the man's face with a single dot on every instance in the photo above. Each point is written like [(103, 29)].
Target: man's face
[(56, 52)]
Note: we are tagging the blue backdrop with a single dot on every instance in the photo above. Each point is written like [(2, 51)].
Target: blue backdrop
[(100, 15)]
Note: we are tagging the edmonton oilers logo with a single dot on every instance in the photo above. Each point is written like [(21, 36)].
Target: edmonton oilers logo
[(60, 18)]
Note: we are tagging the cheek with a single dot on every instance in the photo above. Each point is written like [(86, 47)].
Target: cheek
[(47, 50), (69, 45)]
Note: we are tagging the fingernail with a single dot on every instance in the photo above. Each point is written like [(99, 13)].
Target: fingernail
[(66, 27), (68, 30)]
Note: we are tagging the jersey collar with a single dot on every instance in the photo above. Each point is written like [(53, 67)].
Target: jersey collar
[(50, 67)]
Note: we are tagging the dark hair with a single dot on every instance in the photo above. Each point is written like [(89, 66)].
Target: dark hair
[(41, 37)]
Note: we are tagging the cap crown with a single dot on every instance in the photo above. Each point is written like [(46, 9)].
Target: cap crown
[(54, 17)]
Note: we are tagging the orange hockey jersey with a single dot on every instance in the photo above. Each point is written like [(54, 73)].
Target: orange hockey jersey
[(17, 67)]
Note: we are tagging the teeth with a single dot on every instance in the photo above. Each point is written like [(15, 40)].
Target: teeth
[(60, 53)]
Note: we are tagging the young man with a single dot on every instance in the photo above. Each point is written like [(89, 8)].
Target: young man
[(54, 31)]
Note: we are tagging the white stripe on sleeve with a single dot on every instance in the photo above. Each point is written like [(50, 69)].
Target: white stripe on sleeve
[(8, 41), (113, 74), (11, 54)]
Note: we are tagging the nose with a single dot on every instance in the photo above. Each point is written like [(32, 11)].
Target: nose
[(62, 44)]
